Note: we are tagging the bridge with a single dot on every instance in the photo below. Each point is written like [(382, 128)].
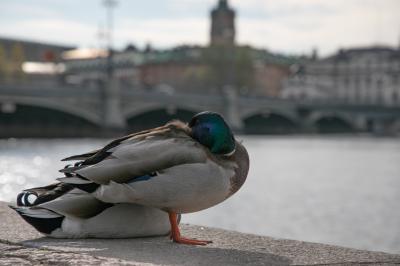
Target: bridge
[(76, 111)]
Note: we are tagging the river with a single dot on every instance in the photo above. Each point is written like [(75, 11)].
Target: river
[(337, 190)]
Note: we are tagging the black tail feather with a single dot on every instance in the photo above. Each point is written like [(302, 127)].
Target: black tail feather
[(42, 224), (89, 188), (42, 194), (45, 226)]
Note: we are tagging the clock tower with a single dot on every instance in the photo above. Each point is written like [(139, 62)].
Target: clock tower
[(222, 25)]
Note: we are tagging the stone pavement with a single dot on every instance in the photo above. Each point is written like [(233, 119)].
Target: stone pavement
[(20, 244)]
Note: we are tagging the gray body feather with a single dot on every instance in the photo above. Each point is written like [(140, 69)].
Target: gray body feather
[(118, 221)]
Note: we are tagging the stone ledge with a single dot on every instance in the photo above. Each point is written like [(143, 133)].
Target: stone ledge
[(19, 255), (23, 245)]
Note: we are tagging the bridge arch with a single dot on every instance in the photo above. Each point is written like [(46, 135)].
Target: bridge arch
[(332, 122), (70, 109), (20, 120), (248, 112), (153, 115), (138, 109), (270, 123)]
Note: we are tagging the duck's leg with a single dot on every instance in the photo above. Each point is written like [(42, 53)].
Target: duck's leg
[(176, 234)]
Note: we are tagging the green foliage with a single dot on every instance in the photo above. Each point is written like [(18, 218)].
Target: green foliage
[(244, 68), (4, 66), (228, 66), (17, 59)]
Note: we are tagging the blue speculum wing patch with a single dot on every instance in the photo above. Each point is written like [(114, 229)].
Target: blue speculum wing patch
[(142, 178)]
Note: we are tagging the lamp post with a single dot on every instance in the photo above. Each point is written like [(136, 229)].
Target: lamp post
[(112, 118), (109, 5)]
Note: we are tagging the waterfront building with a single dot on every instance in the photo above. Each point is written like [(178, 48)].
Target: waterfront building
[(23, 61), (365, 75)]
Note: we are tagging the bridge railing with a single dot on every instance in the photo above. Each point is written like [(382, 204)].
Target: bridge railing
[(46, 90)]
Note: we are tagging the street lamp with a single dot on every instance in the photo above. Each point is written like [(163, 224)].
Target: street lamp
[(113, 118), (109, 5)]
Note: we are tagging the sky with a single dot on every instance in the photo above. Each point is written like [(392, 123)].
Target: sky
[(283, 26)]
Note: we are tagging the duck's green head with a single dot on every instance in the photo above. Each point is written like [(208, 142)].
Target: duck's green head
[(211, 130)]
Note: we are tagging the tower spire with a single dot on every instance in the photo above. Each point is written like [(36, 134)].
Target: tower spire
[(223, 3), (222, 24)]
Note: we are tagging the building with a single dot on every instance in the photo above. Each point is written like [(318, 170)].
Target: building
[(369, 75), (88, 67), (33, 51), (222, 25), (178, 69), (20, 58)]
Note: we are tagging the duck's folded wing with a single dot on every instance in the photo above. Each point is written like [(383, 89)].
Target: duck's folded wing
[(97, 155), (140, 157), (83, 156)]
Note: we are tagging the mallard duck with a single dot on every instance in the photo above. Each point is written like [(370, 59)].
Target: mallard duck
[(166, 171)]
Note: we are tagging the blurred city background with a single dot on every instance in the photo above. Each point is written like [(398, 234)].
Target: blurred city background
[(317, 81)]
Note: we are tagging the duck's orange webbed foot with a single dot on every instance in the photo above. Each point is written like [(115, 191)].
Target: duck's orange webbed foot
[(189, 241), (176, 235)]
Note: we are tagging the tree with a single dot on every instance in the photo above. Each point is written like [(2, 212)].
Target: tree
[(244, 65), (4, 66), (17, 59), (228, 66)]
